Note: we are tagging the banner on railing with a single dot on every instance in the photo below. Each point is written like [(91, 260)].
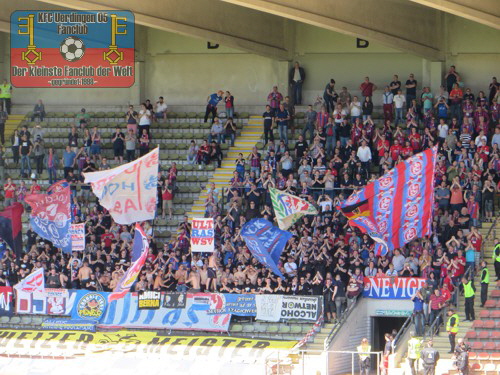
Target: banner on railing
[(6, 306), (124, 312), (202, 235), (77, 237), (275, 307), (148, 300), (69, 325), (392, 287), (48, 302), (236, 304), (174, 300)]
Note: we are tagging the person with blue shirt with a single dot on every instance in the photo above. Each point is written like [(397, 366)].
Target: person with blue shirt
[(212, 102), (418, 314), (282, 118)]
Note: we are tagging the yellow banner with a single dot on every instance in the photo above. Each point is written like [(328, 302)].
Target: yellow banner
[(133, 341)]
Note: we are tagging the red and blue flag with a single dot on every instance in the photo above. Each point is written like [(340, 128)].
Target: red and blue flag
[(51, 214), (396, 208)]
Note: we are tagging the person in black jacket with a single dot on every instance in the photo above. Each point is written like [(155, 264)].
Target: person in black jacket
[(296, 78)]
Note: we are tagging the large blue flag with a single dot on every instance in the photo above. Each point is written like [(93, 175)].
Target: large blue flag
[(51, 214), (266, 242)]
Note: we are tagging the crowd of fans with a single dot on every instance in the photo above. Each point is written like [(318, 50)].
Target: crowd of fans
[(341, 147)]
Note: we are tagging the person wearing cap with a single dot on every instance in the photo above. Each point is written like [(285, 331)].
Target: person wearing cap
[(414, 346), (430, 357), (364, 357)]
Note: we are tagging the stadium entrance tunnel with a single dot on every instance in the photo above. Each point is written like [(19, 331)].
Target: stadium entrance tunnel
[(383, 325)]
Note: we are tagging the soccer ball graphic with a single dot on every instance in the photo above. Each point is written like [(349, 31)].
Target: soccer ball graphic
[(72, 48)]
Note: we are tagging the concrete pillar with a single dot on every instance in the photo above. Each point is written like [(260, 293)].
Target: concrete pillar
[(436, 75)]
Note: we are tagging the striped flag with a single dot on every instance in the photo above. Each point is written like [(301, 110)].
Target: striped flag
[(141, 246), (289, 208), (396, 208)]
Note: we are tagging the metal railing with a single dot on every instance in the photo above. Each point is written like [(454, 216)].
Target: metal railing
[(338, 324), (491, 231), (305, 362)]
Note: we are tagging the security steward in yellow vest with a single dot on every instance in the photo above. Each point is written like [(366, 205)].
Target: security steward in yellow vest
[(5, 95), (452, 328), (414, 347), (485, 282), (364, 357), (496, 259), (469, 293)]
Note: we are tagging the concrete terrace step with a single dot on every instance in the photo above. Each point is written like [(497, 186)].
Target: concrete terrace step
[(250, 136)]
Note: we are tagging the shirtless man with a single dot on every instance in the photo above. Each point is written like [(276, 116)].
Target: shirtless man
[(212, 272), (194, 279), (203, 275), (158, 284), (181, 276), (84, 273), (239, 276)]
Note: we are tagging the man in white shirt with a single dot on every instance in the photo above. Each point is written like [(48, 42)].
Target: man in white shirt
[(442, 130), (161, 109), (364, 155), (355, 108), (496, 138), (291, 267), (399, 102), (480, 139), (216, 131)]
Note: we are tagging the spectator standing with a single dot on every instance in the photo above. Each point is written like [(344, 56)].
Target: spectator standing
[(25, 150), (95, 147), (282, 118), (130, 144), (144, 142), (212, 102), (167, 197), (229, 104), (411, 88), (395, 85), (345, 98), (388, 104), (269, 117), (118, 140), (39, 153), (355, 109), (310, 117), (9, 192), (229, 131), (161, 109), (436, 303), (3, 119), (399, 102), (16, 142), (494, 90), (38, 111), (330, 96), (274, 99), (451, 78), (132, 118), (367, 108), (73, 139), (367, 88), (52, 165), (144, 119), (296, 78), (418, 314)]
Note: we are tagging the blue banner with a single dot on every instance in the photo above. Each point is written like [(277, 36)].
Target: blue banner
[(266, 242), (69, 325), (392, 287), (124, 312), (237, 304), (89, 305)]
